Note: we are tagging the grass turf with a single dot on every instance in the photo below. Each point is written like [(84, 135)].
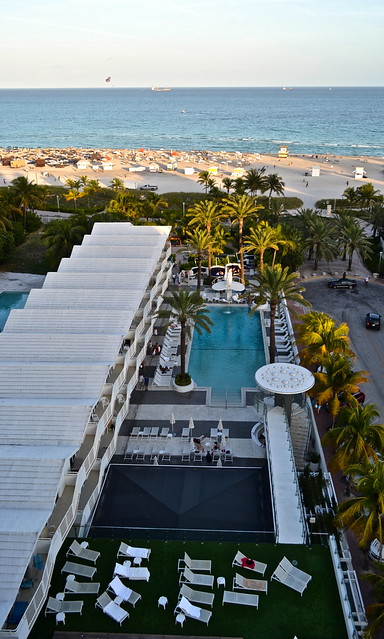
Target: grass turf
[(282, 612)]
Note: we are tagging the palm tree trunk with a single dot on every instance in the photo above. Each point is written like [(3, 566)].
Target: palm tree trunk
[(350, 260), (272, 340), (261, 261), (274, 257), (183, 346), (241, 223), (199, 260)]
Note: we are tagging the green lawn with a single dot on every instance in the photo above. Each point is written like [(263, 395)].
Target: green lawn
[(282, 613)]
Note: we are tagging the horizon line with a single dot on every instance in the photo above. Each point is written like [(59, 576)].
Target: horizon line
[(314, 86)]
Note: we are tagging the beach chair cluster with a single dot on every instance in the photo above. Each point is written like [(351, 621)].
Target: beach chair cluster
[(149, 444), (193, 572), (117, 593), (286, 573), (168, 356), (57, 604), (283, 340)]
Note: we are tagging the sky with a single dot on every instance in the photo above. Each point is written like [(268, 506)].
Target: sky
[(139, 43)]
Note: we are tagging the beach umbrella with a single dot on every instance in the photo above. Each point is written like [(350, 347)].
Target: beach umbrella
[(172, 421), (223, 443), (155, 461), (220, 425), (219, 462)]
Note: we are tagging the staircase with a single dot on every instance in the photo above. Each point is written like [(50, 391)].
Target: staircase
[(300, 433)]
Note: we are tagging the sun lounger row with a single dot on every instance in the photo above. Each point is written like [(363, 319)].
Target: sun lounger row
[(149, 433), (136, 453)]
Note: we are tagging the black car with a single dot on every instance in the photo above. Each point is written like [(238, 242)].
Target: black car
[(342, 282), (372, 320)]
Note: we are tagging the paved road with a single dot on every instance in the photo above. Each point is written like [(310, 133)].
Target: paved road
[(350, 306)]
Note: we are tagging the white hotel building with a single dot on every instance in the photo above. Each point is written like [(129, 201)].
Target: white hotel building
[(66, 377)]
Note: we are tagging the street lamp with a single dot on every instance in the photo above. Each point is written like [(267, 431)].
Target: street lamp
[(58, 203), (380, 256)]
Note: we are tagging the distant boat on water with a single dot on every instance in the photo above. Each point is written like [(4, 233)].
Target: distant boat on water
[(161, 88), (287, 88)]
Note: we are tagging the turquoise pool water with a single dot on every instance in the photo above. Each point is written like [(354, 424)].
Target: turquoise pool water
[(227, 358), (8, 301)]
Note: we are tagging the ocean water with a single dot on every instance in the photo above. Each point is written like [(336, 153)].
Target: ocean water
[(336, 120)]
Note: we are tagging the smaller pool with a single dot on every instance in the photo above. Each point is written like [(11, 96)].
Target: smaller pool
[(8, 301)]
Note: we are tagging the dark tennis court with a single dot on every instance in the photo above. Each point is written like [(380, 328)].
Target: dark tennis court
[(186, 498)]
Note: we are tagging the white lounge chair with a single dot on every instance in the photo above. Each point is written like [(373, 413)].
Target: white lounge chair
[(80, 588), (196, 579), (196, 596), (242, 561), (204, 565), (78, 569), (242, 583), (130, 551), (126, 594), (295, 572), (81, 551), (135, 574), (111, 609), (240, 598), (58, 605), (288, 580), (194, 612)]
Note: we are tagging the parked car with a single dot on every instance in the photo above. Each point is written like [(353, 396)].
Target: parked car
[(372, 320), (342, 282), (148, 187), (359, 396)]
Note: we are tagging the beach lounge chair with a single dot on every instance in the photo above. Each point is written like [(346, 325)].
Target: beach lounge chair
[(126, 594), (194, 612), (242, 583), (203, 565), (288, 580), (78, 569), (241, 598), (80, 588), (81, 551), (111, 608), (135, 574), (242, 561), (58, 605), (195, 579), (295, 572), (164, 432), (196, 596), (130, 551)]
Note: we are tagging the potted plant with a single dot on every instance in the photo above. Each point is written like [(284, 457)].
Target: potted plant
[(314, 462)]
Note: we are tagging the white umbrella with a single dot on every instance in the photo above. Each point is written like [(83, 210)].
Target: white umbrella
[(220, 425), (223, 443), (219, 462), (191, 426), (172, 421), (155, 461)]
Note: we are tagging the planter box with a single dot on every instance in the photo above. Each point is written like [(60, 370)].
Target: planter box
[(184, 389)]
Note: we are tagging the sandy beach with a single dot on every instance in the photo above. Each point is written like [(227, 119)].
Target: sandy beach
[(336, 172)]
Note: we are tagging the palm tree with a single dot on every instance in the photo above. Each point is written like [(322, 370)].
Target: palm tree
[(367, 195), (27, 195), (201, 241), (376, 218), (255, 180), (151, 204), (74, 194), (117, 184), (276, 284), (83, 179), (188, 309), (356, 437), (352, 196), (260, 239), (337, 378), (126, 203), (239, 208), (364, 514), (91, 187), (375, 611), (239, 186), (205, 215), (62, 235), (73, 184), (353, 238), (227, 183), (320, 336), (321, 239), (274, 183), (204, 178)]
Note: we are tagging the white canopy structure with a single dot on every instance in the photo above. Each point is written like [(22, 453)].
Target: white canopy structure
[(56, 356)]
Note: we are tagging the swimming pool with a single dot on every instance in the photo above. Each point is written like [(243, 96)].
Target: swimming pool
[(226, 359), (8, 301)]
